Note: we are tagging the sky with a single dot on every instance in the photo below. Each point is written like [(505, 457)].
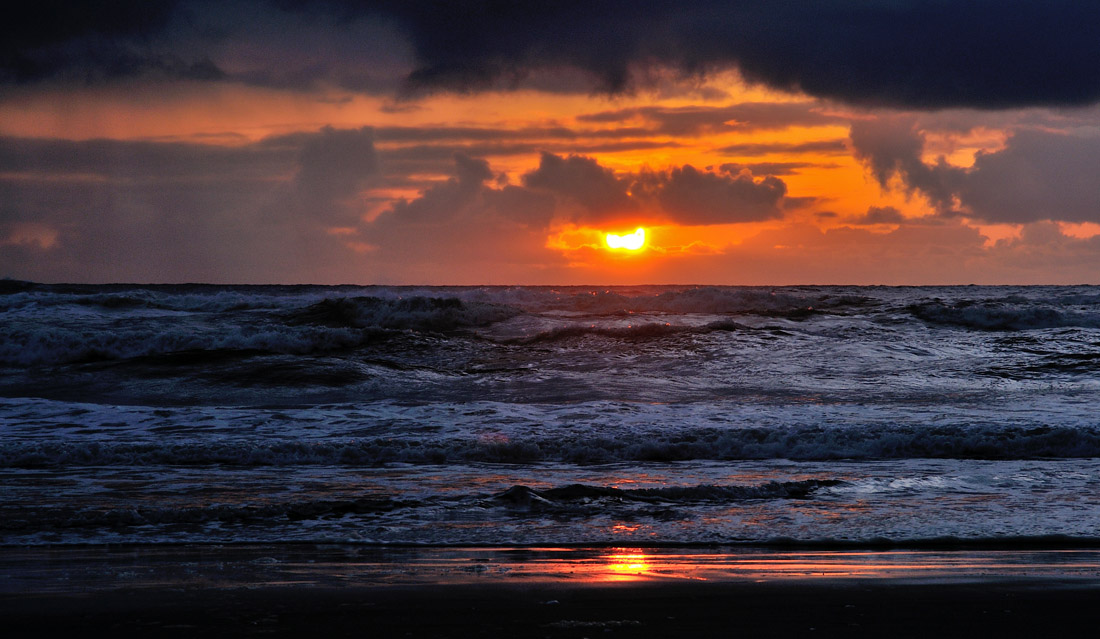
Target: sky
[(757, 142)]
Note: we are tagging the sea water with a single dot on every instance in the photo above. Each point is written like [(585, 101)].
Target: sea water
[(544, 416)]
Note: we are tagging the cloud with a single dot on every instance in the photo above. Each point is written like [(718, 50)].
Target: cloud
[(1038, 175), (461, 224), (880, 215), (892, 146), (103, 210), (702, 120), (771, 168), (445, 200), (1043, 253), (333, 166), (684, 195), (833, 147), (924, 54), (887, 52), (691, 196), (567, 190), (93, 42), (581, 179)]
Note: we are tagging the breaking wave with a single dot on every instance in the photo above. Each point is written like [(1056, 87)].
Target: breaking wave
[(997, 316), (331, 324), (432, 314), (526, 497), (573, 498), (646, 331), (957, 442), (708, 300)]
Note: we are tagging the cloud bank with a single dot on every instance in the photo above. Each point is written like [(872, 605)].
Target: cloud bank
[(913, 53), (1038, 175)]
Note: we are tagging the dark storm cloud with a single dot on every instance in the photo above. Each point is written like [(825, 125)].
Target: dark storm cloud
[(88, 42), (921, 53), (1039, 175), (915, 53)]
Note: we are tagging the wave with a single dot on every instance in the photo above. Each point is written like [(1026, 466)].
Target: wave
[(809, 444), (54, 345), (706, 300), (576, 498), (998, 316), (331, 324), (117, 518), (631, 333), (526, 497), (432, 314), (778, 302)]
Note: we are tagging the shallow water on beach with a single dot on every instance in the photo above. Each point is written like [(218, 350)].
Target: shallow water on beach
[(541, 416)]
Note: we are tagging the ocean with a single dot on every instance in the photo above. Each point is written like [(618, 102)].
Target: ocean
[(549, 416)]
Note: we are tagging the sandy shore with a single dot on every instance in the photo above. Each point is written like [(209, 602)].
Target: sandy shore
[(235, 591)]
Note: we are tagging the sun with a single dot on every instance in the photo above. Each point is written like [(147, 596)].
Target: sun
[(629, 242)]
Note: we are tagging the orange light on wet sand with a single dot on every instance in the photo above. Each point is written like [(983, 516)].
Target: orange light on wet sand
[(630, 242), (627, 566)]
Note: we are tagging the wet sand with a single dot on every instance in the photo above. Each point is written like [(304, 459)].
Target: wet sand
[(246, 591)]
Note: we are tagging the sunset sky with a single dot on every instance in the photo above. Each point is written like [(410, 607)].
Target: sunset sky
[(455, 142)]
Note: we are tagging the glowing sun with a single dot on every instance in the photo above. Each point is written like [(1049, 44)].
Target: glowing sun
[(630, 242)]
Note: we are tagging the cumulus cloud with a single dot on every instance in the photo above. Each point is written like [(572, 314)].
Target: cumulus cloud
[(581, 179), (684, 195), (915, 53), (691, 196), (1038, 175), (880, 215), (462, 222), (578, 190), (445, 200)]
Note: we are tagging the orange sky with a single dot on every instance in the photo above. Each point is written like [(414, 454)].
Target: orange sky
[(735, 182)]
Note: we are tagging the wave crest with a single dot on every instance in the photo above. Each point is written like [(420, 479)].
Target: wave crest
[(808, 443), (432, 314), (998, 316)]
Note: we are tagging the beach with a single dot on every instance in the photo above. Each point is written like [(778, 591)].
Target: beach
[(563, 592)]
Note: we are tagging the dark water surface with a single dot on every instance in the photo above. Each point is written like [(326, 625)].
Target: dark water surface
[(547, 416)]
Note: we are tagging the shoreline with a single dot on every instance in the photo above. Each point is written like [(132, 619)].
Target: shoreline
[(336, 590)]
